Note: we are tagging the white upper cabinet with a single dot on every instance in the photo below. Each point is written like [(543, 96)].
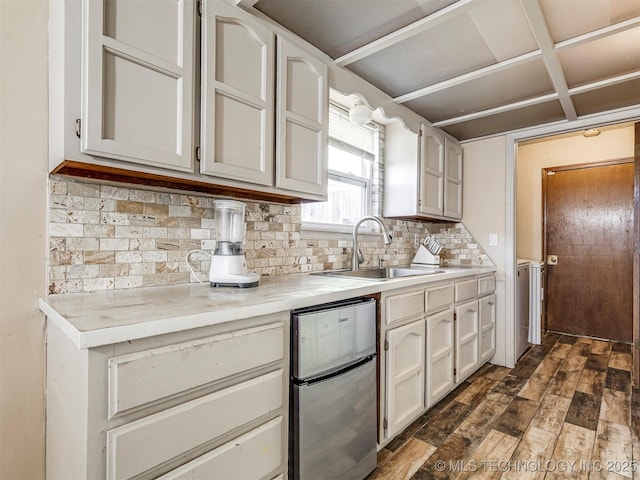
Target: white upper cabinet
[(242, 96), (423, 174), (432, 167), (137, 86), (301, 121), (138, 81), (453, 180), (237, 95)]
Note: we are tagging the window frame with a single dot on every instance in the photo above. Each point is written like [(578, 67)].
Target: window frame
[(367, 182)]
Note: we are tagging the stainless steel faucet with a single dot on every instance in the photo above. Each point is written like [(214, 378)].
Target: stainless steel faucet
[(355, 264)]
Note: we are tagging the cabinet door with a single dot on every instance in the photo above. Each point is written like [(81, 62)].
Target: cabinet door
[(466, 318), (453, 180), (431, 172), (405, 375), (137, 81), (439, 356), (237, 95), (487, 327), (301, 121)]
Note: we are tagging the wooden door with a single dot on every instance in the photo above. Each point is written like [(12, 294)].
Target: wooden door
[(302, 109), (431, 172), (453, 180), (238, 57), (589, 250), (405, 375), (137, 82), (439, 356)]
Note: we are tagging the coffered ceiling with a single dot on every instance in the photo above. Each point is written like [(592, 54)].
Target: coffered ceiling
[(481, 67)]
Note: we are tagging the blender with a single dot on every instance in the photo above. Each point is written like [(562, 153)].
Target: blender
[(228, 263)]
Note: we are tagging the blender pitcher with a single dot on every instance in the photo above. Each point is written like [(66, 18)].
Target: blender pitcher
[(228, 263)]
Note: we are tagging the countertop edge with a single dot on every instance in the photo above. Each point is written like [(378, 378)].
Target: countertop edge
[(159, 326)]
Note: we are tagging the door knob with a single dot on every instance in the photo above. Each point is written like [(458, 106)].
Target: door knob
[(552, 259)]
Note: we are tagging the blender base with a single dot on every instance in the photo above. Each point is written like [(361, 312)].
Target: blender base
[(231, 271), (238, 285)]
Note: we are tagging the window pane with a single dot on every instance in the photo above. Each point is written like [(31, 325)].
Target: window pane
[(345, 204), (341, 128), (347, 162)]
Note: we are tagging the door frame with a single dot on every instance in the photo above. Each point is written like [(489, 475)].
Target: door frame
[(636, 260), (511, 153), (581, 166)]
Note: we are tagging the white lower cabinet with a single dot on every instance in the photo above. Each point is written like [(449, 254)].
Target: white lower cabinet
[(405, 375), (208, 403), (251, 455), (467, 357), (487, 327), (433, 336), (135, 447), (440, 356)]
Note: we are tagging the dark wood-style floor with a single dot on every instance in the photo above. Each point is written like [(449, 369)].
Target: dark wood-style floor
[(567, 410)]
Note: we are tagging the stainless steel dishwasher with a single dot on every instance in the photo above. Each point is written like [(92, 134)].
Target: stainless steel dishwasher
[(333, 391)]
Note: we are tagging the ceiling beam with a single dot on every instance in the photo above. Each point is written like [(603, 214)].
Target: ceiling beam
[(467, 77), (527, 57), (245, 3), (496, 110), (534, 14), (598, 34), (409, 31), (605, 83), (536, 100)]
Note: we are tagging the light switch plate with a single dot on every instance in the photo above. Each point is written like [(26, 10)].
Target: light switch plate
[(493, 239)]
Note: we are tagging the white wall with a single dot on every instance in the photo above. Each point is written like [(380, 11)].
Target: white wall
[(484, 212), (612, 143), (23, 195)]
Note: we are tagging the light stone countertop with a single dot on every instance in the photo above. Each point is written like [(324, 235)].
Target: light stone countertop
[(103, 318)]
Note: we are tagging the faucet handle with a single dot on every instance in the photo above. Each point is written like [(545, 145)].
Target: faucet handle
[(360, 257)]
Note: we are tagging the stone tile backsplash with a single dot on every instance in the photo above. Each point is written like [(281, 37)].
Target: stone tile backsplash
[(104, 237)]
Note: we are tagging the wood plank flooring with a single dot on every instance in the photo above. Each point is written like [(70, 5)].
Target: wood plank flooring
[(567, 410)]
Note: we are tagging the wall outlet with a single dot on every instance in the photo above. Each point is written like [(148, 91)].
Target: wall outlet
[(416, 239), (493, 239)]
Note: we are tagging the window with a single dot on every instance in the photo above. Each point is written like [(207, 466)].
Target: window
[(353, 152)]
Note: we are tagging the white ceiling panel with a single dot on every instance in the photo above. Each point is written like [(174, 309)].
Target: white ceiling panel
[(504, 27), (613, 97), (571, 18), (338, 27), (481, 67), (593, 61), (503, 122), (504, 87), (432, 56)]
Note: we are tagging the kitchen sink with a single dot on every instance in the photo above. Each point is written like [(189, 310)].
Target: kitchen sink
[(379, 273)]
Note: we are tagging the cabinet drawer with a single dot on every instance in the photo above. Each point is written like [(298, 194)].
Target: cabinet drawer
[(138, 446), (252, 455), (466, 290), (438, 297), (486, 285), (143, 377), (404, 305)]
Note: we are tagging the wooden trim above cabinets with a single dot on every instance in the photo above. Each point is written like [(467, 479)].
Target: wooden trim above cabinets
[(94, 172)]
